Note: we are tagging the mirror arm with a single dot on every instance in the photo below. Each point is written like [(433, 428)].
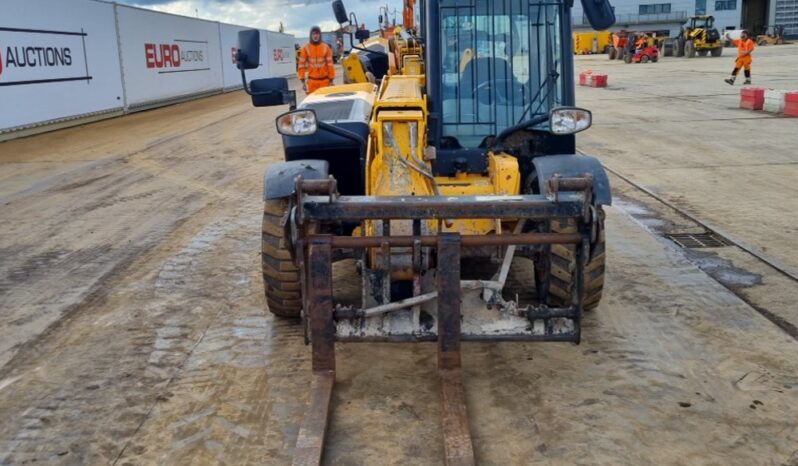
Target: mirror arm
[(244, 79), (343, 133)]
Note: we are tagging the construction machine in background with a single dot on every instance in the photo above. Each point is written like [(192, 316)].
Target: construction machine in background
[(620, 42), (417, 179), (592, 42), (396, 51), (772, 35), (698, 37)]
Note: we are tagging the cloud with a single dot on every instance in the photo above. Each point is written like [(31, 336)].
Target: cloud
[(297, 16)]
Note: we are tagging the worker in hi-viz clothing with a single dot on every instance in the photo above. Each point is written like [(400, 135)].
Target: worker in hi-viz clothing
[(745, 47), (316, 68)]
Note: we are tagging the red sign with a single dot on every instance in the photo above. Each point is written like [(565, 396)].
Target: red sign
[(162, 55)]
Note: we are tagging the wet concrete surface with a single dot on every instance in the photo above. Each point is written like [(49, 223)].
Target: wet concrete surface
[(135, 331)]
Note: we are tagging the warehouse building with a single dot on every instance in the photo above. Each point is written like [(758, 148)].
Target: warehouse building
[(669, 16)]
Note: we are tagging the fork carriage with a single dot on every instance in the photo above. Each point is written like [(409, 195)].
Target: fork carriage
[(442, 307)]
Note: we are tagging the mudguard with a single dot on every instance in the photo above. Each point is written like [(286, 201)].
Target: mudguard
[(280, 179), (574, 165)]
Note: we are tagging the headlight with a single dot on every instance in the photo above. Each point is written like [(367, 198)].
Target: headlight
[(297, 123), (569, 120)]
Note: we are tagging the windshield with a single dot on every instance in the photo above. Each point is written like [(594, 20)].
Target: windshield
[(702, 23), (501, 63)]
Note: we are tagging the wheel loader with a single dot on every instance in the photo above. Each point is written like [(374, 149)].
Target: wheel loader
[(698, 36), (434, 185)]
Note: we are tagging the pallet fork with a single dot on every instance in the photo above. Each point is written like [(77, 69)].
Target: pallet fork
[(316, 202)]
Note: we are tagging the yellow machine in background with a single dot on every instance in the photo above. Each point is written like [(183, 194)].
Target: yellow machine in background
[(699, 37), (592, 42)]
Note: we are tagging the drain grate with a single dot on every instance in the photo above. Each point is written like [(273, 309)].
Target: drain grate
[(699, 240)]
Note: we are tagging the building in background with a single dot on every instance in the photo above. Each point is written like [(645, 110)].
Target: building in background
[(669, 16)]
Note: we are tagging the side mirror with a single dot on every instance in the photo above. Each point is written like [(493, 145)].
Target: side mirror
[(340, 11), (599, 14), (380, 19), (248, 55), (297, 123), (269, 92), (362, 35)]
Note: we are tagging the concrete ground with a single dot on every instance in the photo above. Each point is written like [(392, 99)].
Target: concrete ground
[(134, 328)]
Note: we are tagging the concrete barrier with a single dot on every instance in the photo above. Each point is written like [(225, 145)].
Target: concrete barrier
[(774, 101), (752, 98)]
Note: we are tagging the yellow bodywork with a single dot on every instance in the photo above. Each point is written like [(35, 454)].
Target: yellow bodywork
[(396, 166), (586, 43), (353, 68)]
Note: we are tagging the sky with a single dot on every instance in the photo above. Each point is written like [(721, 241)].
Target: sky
[(296, 15)]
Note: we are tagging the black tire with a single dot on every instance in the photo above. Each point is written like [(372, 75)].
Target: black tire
[(280, 275), (644, 59), (627, 57), (678, 49), (717, 51), (612, 53), (703, 53), (689, 49), (562, 263), (654, 59)]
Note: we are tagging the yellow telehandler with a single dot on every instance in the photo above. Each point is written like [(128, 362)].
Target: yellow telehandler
[(472, 160)]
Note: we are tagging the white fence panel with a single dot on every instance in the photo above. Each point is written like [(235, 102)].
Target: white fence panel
[(166, 57), (280, 53), (58, 60), (232, 75)]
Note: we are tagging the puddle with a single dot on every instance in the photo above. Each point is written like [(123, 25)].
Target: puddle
[(722, 270)]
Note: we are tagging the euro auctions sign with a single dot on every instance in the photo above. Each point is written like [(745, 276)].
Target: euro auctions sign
[(41, 56), (179, 55)]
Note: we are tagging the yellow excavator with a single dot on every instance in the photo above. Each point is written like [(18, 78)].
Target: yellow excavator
[(434, 184)]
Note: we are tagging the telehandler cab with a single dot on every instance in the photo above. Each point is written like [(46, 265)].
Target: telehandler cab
[(473, 160)]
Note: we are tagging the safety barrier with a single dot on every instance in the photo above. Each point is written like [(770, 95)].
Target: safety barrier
[(791, 104), (769, 100), (591, 79), (65, 62), (774, 101)]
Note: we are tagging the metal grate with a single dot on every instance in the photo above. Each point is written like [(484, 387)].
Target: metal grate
[(707, 239)]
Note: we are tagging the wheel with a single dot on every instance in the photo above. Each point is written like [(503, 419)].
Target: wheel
[(613, 52), (703, 53), (644, 59), (562, 263), (627, 57), (717, 51), (689, 49), (678, 49), (280, 276), (654, 59)]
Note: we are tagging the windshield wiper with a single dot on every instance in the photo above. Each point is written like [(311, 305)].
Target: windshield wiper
[(553, 75)]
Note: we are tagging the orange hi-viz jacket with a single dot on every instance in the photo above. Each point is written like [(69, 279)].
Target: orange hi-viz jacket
[(744, 46), (316, 62)]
